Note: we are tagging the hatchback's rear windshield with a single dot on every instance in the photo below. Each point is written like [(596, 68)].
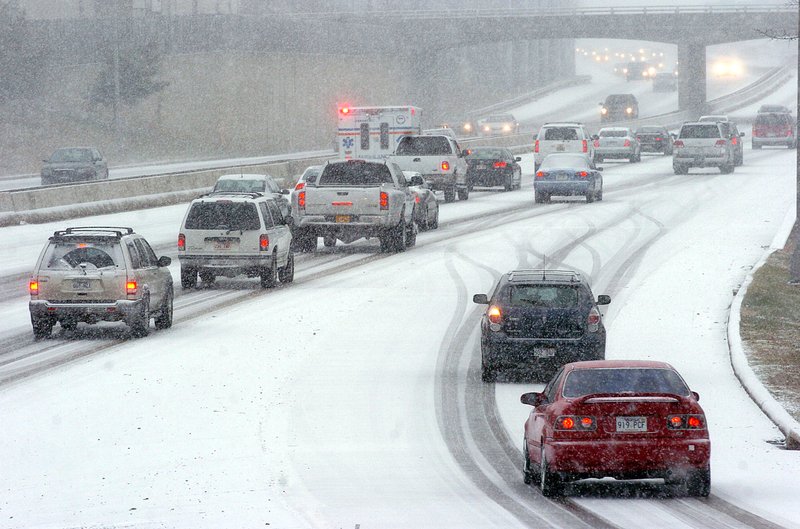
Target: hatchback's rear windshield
[(223, 215), (244, 186), (700, 131), (355, 174), (613, 133), (623, 380), (487, 154), (90, 255), (560, 133), (773, 120), (545, 296), (424, 146)]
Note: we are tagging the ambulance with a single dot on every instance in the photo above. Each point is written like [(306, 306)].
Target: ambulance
[(373, 132)]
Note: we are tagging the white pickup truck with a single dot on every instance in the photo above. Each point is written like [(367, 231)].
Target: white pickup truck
[(440, 161), (355, 199)]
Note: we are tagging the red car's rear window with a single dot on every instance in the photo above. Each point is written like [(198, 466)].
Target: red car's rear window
[(582, 382)]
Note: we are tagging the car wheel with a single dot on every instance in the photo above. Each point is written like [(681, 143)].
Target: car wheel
[(42, 327), (488, 371), (207, 277), (509, 183), (549, 482), (188, 277), (435, 222), (541, 197), (726, 169), (590, 197), (599, 195), (329, 241), (754, 146), (269, 275), (463, 193), (386, 243), (286, 273), (164, 318), (680, 169), (400, 236), (527, 473), (411, 235), (739, 161), (450, 194), (140, 323)]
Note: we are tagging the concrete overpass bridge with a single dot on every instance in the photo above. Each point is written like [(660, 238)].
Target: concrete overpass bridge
[(691, 28)]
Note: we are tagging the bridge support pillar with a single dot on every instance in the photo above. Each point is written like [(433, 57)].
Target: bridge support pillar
[(692, 77)]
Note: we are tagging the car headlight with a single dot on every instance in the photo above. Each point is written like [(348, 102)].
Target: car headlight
[(604, 110), (467, 127), (506, 128), (629, 110), (487, 128)]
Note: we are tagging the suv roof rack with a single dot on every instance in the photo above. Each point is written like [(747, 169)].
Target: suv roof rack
[(543, 274), (116, 231), (250, 194)]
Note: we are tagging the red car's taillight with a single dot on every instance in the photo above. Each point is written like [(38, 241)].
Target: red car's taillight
[(181, 242), (686, 422), (384, 201), (627, 143), (575, 423)]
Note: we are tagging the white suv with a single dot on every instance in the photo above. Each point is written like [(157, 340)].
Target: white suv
[(562, 137), (230, 234), (703, 144)]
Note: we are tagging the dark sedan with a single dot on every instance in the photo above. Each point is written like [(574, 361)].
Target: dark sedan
[(655, 139), (568, 174), (74, 164), (492, 166)]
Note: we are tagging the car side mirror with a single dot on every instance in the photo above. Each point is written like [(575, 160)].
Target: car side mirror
[(480, 299), (284, 191), (603, 299), (416, 180), (164, 261), (45, 160), (533, 399), (518, 159), (599, 169), (696, 396)]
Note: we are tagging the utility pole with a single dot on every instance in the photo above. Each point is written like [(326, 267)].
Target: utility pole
[(117, 128)]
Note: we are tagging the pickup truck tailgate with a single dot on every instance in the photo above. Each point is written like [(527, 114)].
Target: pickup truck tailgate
[(339, 201)]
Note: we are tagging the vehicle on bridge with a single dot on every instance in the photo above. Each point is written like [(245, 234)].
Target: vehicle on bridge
[(617, 142), (439, 160), (627, 419), (703, 144), (254, 183), (567, 174), (74, 164), (373, 132), (538, 320), (619, 107), (494, 166), (655, 138), (639, 71), (498, 124)]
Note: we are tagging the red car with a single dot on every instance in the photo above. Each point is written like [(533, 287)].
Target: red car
[(625, 419), (774, 128)]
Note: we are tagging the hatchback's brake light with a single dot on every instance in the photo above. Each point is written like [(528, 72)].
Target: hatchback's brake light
[(131, 287), (500, 165), (596, 143), (181, 242), (384, 201), (686, 422), (445, 165), (582, 174), (263, 242)]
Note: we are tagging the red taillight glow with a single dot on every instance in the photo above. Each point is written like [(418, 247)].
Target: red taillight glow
[(721, 143), (587, 422), (300, 185), (694, 422), (540, 174), (573, 422), (593, 320), (582, 174), (494, 314), (596, 143), (677, 143), (585, 144), (658, 138), (181, 241), (33, 287), (344, 110), (384, 200), (567, 423), (536, 146), (445, 165), (263, 242), (131, 287), (500, 165), (301, 199), (686, 422), (416, 199), (627, 143), (676, 421)]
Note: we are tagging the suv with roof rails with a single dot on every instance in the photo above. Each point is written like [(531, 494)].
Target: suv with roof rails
[(539, 320), (562, 137), (704, 144), (99, 273), (230, 234)]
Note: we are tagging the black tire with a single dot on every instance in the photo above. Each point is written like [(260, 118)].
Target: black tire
[(632, 158), (508, 185), (449, 194), (140, 323), (164, 318), (188, 277), (698, 483), (488, 371), (435, 222), (399, 237), (599, 195), (386, 243), (540, 197), (549, 482), (726, 169), (463, 193), (739, 161), (411, 235), (755, 146), (589, 197), (269, 276), (68, 325), (680, 169), (42, 327), (527, 472), (329, 241), (286, 273), (207, 277)]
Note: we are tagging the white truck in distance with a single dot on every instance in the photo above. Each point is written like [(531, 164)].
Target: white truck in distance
[(373, 132), (354, 199), (440, 161)]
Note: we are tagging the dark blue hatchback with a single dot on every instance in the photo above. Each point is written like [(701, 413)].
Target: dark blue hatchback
[(568, 174), (539, 320)]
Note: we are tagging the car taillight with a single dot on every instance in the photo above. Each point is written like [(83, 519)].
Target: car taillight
[(300, 185), (575, 423), (494, 314), (416, 199), (582, 174), (263, 242), (596, 143), (593, 320), (789, 133), (301, 199), (131, 287), (686, 422), (445, 165), (734, 140), (627, 143), (33, 287), (384, 200), (677, 143), (536, 146), (658, 138), (585, 145), (181, 242), (500, 165), (721, 143), (541, 174)]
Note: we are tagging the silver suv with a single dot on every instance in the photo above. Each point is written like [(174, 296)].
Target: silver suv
[(230, 234), (703, 144), (99, 273), (562, 137)]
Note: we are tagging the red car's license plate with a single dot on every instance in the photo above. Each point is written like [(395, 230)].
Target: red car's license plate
[(631, 424)]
